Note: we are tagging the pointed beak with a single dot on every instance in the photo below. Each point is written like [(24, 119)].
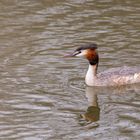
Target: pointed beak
[(69, 55)]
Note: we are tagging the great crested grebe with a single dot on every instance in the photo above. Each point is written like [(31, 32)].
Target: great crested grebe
[(112, 77)]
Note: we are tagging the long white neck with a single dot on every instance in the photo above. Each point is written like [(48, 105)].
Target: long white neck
[(91, 75)]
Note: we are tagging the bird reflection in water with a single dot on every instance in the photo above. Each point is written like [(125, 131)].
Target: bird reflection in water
[(92, 113)]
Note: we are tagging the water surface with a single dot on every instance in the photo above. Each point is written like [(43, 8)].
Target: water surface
[(42, 95)]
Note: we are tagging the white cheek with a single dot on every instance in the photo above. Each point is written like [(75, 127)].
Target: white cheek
[(80, 54), (83, 53)]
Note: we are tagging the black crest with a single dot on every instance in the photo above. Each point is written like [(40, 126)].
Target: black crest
[(92, 46)]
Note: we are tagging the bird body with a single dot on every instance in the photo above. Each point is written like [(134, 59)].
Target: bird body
[(111, 77)]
